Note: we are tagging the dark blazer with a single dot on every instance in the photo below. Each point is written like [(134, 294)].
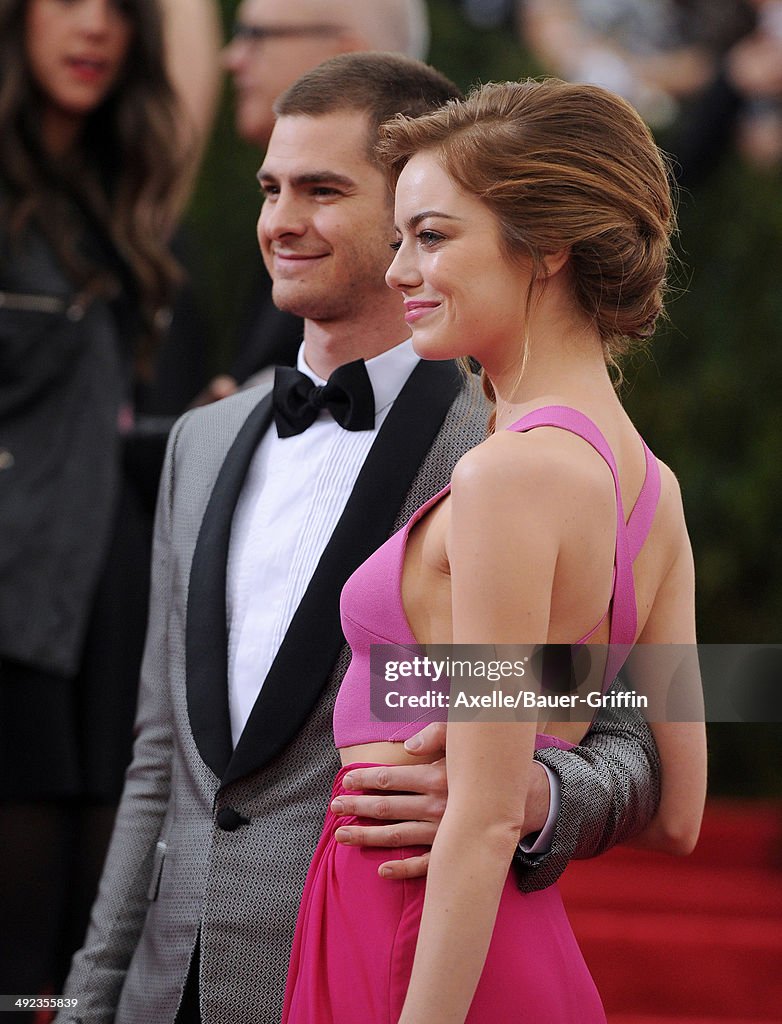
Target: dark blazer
[(62, 379)]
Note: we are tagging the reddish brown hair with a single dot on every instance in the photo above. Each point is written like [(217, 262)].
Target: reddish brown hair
[(561, 166)]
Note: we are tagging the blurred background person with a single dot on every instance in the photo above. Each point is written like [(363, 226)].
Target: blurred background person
[(656, 53), (754, 69), (740, 109), (98, 153), (274, 43), (705, 76)]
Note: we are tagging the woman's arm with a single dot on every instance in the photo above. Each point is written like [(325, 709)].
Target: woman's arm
[(501, 588), (665, 664), (192, 39)]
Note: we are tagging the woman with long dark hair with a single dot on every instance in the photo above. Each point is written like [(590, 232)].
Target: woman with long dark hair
[(93, 155)]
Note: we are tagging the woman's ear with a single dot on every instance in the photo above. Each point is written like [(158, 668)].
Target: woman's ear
[(553, 262)]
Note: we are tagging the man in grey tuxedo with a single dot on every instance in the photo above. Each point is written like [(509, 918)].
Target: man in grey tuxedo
[(258, 526)]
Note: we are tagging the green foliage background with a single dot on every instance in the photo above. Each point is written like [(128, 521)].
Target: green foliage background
[(706, 395)]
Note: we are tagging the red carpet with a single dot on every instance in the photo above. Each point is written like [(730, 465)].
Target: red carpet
[(694, 940)]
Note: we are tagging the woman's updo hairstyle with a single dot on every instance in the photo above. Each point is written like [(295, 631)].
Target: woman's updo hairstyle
[(561, 166)]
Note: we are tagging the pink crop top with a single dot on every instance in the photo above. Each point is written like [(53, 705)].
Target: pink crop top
[(372, 610)]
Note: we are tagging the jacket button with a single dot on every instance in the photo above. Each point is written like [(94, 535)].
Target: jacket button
[(230, 820)]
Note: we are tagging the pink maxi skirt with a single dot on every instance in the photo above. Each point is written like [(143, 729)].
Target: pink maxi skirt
[(356, 934)]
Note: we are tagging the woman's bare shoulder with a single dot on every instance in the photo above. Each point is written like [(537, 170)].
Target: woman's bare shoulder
[(542, 467)]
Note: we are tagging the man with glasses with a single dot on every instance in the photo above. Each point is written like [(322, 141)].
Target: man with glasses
[(276, 41)]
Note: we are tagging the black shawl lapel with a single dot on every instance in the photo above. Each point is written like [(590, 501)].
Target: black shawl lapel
[(314, 637), (207, 631)]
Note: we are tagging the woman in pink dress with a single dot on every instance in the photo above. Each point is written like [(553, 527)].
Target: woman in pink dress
[(534, 224)]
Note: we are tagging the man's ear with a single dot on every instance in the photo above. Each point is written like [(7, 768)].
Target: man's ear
[(553, 262)]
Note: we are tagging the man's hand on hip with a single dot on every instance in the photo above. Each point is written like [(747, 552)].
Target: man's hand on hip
[(411, 798)]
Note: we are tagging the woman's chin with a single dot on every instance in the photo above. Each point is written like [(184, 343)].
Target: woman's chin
[(428, 348)]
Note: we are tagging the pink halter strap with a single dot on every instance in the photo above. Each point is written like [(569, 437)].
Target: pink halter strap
[(630, 535)]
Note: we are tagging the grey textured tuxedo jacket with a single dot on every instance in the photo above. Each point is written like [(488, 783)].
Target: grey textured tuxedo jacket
[(217, 841)]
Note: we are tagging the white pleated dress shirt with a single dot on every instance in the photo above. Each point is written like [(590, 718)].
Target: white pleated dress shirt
[(293, 496)]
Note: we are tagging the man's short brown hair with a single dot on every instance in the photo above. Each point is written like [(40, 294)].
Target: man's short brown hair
[(378, 84)]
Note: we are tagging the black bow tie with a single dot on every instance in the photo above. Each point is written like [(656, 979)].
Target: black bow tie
[(347, 394)]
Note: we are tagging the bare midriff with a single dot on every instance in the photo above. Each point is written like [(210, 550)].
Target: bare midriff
[(383, 752)]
